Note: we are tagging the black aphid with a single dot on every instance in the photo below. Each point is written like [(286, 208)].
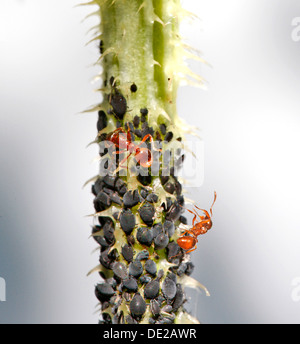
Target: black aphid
[(138, 133), (169, 187), (174, 251), (104, 291), (172, 276), (135, 268), (127, 221), (102, 201), (102, 120), (147, 212), (111, 281), (169, 288), (166, 320), (169, 228), (127, 253), (97, 186), (102, 242), (131, 198), (155, 308), (163, 129), (114, 197), (161, 241), (145, 279), (144, 193), (157, 229), (150, 267), (136, 121), (133, 88), (190, 268), (174, 212), (179, 298), (101, 47), (145, 180), (96, 230), (167, 309), (144, 111), (169, 136), (137, 306), (111, 80), (129, 320), (143, 255), (144, 236), (152, 198), (116, 215), (151, 290), (146, 129), (108, 231), (130, 284), (106, 319), (120, 186), (181, 269), (130, 239), (106, 259), (119, 104), (158, 136), (120, 271), (118, 318), (160, 274), (110, 181), (183, 220), (164, 178), (113, 254), (116, 302)]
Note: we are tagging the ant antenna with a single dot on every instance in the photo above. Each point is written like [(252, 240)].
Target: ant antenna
[(213, 202)]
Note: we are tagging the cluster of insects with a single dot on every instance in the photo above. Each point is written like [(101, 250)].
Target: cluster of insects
[(189, 242), (123, 143), (122, 139)]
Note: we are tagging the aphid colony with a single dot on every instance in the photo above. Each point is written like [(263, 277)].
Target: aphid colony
[(135, 229), (131, 275)]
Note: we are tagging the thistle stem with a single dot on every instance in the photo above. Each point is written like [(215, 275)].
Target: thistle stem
[(139, 216)]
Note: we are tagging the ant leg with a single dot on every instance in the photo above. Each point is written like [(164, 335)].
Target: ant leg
[(192, 212), (119, 152), (121, 164), (119, 129), (110, 165), (128, 132), (189, 251), (194, 219), (186, 231), (205, 212), (125, 159), (149, 136)]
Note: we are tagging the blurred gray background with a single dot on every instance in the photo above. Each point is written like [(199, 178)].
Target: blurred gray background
[(249, 118)]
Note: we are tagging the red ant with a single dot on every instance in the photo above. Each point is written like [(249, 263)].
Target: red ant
[(124, 143), (189, 242)]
